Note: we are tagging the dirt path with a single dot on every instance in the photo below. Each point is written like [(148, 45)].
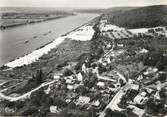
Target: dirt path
[(26, 95)]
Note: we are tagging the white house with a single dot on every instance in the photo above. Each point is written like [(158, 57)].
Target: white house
[(83, 100), (79, 77)]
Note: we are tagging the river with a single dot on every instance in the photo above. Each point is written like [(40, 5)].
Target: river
[(19, 41)]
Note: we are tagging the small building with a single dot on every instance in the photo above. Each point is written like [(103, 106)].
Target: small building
[(96, 103), (54, 109), (101, 84), (143, 51), (70, 87), (135, 86), (108, 60), (149, 90), (84, 68), (79, 77), (82, 100), (139, 112), (150, 70), (141, 98), (69, 81), (120, 45), (56, 77)]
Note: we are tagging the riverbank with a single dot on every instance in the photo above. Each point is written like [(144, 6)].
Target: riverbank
[(84, 33), (13, 41), (62, 49)]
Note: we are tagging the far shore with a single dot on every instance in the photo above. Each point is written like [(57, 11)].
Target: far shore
[(16, 24)]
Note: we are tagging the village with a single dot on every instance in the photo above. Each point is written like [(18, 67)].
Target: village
[(110, 80)]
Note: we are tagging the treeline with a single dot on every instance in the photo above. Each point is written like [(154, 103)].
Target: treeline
[(150, 16)]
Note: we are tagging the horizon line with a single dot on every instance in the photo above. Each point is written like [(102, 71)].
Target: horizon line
[(84, 7)]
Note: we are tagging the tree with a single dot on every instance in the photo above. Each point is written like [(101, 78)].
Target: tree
[(153, 106), (110, 113), (28, 110), (152, 58), (19, 104), (37, 98), (81, 90), (71, 105), (90, 80), (59, 102), (92, 112), (62, 64), (39, 77), (162, 77), (101, 68), (67, 72)]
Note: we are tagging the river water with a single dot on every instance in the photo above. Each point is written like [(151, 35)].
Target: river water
[(21, 40)]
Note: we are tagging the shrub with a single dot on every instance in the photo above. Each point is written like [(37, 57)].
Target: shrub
[(59, 102), (110, 113), (102, 68), (154, 106), (81, 90), (72, 105), (27, 111), (39, 77), (61, 65), (67, 72)]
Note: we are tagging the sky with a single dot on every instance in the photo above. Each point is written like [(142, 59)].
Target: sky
[(80, 3)]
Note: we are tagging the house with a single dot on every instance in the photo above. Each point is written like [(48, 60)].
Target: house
[(120, 45), (140, 77), (79, 77), (143, 51), (149, 90), (141, 98), (82, 100), (69, 81), (101, 84), (157, 96), (137, 111), (56, 77), (150, 70), (135, 86), (54, 109), (70, 87), (68, 100), (84, 68), (96, 103), (108, 45), (47, 91), (9, 110), (108, 60)]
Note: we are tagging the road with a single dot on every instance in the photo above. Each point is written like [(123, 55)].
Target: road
[(26, 95), (113, 105)]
